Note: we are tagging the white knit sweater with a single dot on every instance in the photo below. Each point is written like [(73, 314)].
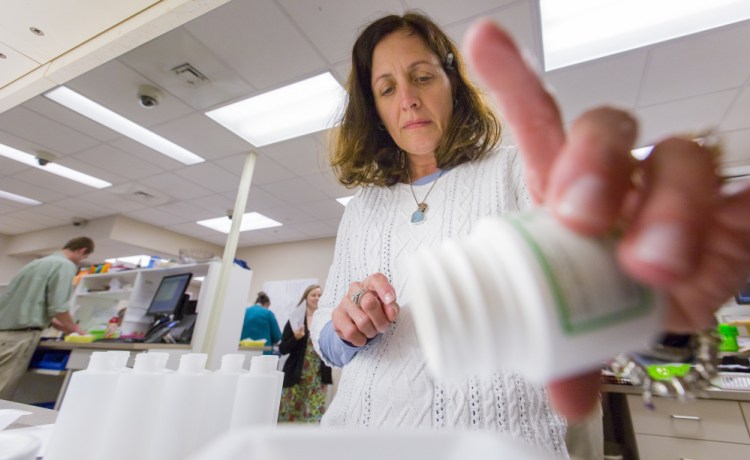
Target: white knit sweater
[(387, 384)]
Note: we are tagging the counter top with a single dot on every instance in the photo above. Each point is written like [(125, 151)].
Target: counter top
[(713, 393), (62, 345)]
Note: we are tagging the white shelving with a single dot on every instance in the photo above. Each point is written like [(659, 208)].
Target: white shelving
[(99, 297)]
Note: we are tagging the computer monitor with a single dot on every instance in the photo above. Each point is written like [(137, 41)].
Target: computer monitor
[(743, 295), (169, 295)]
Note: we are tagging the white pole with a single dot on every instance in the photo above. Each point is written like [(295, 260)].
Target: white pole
[(230, 250)]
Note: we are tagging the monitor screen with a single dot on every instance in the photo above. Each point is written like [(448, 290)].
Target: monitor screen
[(743, 295), (168, 296)]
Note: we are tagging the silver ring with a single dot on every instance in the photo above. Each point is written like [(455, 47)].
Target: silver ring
[(357, 296)]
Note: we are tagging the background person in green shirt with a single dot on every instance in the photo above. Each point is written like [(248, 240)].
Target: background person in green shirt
[(260, 323), (37, 297)]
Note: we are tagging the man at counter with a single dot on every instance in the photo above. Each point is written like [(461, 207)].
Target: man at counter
[(37, 297)]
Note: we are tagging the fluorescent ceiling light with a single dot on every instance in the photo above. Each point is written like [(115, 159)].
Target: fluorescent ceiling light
[(345, 200), (250, 221), (54, 168), (301, 108), (18, 198), (576, 31), (122, 125), (642, 153)]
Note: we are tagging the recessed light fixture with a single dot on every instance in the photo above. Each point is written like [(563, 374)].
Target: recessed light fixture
[(301, 108), (576, 31), (54, 168), (18, 198), (102, 115), (345, 200), (250, 221)]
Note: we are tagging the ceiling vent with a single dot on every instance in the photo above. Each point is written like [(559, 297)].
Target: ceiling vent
[(190, 75), (141, 194)]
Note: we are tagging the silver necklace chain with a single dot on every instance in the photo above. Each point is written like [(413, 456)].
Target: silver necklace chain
[(419, 215)]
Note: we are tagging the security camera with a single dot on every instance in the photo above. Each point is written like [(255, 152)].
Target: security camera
[(44, 158), (230, 213), (79, 221), (148, 96)]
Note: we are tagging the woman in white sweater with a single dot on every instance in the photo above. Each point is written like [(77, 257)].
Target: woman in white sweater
[(422, 143)]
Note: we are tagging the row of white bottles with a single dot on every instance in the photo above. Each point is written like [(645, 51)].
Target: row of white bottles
[(149, 412)]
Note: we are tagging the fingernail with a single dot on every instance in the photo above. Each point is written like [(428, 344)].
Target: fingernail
[(582, 201), (394, 310), (389, 298), (663, 245)]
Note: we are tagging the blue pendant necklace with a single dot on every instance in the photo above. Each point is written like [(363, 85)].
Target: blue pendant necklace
[(419, 215)]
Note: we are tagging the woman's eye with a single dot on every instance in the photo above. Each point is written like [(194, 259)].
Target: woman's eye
[(386, 91), (423, 78)]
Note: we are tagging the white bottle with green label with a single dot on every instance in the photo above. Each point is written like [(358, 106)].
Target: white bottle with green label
[(525, 294)]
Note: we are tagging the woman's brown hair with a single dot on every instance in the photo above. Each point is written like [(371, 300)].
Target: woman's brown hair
[(364, 154)]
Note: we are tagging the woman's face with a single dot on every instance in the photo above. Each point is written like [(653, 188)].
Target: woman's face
[(312, 298), (413, 95)]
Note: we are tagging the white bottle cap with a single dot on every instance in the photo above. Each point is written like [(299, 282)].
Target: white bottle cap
[(147, 362), (232, 362), (264, 364), (192, 363), (120, 358), (101, 361)]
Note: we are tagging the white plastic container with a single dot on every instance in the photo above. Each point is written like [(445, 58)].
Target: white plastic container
[(220, 397), (89, 397), (128, 426), (178, 418), (523, 293), (258, 394)]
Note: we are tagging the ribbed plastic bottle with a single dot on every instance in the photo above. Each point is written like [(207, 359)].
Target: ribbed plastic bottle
[(178, 420), (258, 392), (128, 425), (220, 397), (89, 395), (523, 293)]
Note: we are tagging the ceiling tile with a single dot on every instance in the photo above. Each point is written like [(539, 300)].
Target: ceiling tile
[(156, 59), (174, 185), (115, 86), (42, 132), (290, 215), (211, 177), (63, 115), (332, 25), (52, 181), (266, 170), (736, 145), (739, 114), (301, 155), (117, 161), (240, 34), (293, 191), (30, 190), (609, 81), (684, 116), (203, 136), (688, 66)]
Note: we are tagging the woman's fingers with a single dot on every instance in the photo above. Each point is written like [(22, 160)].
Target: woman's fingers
[(665, 240), (592, 175), (528, 109), (368, 309)]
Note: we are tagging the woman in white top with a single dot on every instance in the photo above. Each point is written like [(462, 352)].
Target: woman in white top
[(422, 143)]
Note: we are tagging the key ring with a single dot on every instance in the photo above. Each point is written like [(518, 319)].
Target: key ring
[(693, 384)]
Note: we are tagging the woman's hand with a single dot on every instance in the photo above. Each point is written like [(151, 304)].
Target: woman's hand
[(368, 309), (299, 333), (681, 234)]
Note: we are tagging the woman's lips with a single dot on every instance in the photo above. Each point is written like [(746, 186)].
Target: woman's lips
[(416, 124)]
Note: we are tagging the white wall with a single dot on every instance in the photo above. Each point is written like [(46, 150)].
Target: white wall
[(288, 261), (10, 265)]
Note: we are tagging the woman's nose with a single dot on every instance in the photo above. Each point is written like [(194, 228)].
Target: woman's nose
[(409, 100)]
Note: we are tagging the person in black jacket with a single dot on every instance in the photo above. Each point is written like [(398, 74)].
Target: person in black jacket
[(305, 376)]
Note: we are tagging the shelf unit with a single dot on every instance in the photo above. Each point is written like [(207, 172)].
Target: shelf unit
[(99, 297)]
